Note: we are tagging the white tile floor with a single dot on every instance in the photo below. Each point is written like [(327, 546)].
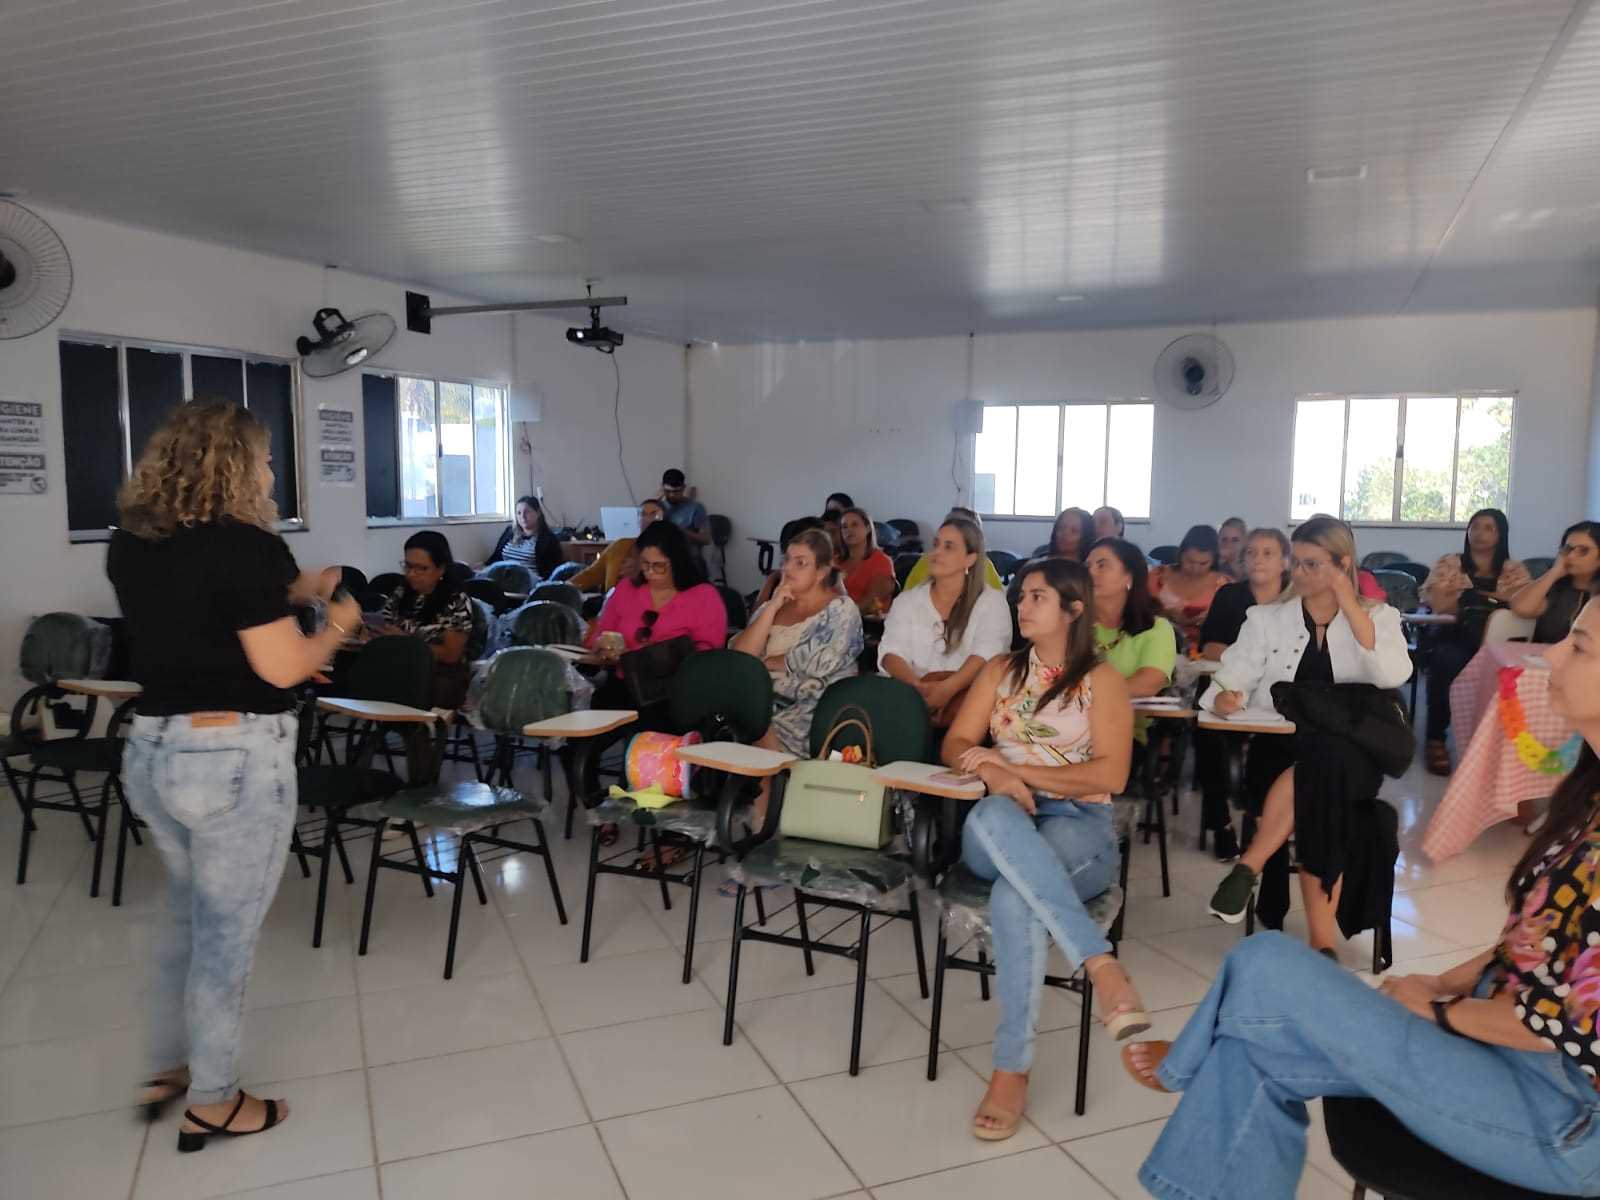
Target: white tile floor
[(532, 1074)]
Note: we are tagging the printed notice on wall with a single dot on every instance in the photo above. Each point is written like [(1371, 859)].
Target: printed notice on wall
[(22, 469), (336, 437)]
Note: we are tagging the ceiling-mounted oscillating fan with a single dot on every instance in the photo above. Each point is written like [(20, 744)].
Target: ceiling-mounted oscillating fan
[(341, 343), (1194, 371), (35, 272)]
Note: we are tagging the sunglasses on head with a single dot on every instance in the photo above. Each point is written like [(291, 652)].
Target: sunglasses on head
[(646, 631)]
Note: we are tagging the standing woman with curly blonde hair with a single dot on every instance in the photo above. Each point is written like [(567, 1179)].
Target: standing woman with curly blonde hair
[(207, 587)]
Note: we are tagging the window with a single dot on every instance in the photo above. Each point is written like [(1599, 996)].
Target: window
[(434, 448), (115, 394), (1427, 460), (1034, 460)]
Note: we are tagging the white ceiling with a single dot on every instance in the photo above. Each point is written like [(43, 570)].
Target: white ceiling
[(820, 168)]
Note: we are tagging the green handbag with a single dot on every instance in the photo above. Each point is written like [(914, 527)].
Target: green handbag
[(838, 802)]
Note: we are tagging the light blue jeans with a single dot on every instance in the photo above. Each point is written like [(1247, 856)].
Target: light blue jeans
[(1282, 1025), (220, 803), (1044, 867)]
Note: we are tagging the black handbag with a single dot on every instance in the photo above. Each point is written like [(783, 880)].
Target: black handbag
[(648, 671)]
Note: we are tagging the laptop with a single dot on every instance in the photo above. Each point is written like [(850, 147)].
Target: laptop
[(619, 522)]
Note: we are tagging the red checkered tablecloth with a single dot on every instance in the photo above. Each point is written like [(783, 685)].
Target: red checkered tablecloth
[(1491, 779)]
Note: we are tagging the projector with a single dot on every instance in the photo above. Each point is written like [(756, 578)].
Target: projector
[(596, 335)]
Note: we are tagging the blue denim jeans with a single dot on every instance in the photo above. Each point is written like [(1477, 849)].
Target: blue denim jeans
[(220, 802), (1044, 867), (1282, 1025)]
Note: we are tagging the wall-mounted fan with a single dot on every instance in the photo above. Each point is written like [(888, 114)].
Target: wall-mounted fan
[(1194, 371), (341, 343), (35, 272)]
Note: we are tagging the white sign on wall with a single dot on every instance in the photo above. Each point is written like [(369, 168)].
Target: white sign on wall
[(336, 440), (22, 462)]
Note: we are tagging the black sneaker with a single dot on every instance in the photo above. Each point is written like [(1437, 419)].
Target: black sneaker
[(1233, 894), (1224, 844)]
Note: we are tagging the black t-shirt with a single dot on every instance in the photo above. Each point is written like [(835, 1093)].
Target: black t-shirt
[(185, 599), (1226, 616)]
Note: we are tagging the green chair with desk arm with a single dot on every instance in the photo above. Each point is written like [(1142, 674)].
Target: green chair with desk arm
[(724, 696), (560, 593), (864, 882), (523, 687)]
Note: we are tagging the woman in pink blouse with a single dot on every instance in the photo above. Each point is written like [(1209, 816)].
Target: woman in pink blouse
[(666, 599), (1493, 1062)]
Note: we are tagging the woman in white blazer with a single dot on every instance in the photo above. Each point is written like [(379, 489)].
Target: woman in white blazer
[(1320, 630)]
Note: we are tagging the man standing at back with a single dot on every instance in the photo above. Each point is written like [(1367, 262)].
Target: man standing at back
[(687, 514)]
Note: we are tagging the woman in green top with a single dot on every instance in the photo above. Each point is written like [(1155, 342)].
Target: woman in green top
[(1139, 644)]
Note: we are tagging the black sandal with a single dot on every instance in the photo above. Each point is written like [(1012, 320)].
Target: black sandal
[(189, 1142), (154, 1110), (662, 859)]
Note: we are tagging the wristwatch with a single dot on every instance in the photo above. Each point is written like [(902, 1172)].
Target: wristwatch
[(1441, 1013)]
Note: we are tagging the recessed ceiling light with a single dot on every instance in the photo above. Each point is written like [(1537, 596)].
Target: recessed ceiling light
[(1348, 172), (553, 239), (948, 205), (1071, 298)]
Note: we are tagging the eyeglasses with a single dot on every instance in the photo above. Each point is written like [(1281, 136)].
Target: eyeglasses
[(647, 630), (411, 568), (654, 568), (1309, 565)]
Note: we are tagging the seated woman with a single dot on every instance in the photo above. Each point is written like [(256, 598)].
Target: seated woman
[(1321, 631), (1231, 535), (1108, 522), (867, 571), (809, 635), (665, 600), (431, 605), (1553, 600), (918, 574), (527, 540), (1061, 727), (837, 502), (1266, 559), (1070, 537), (1468, 586), (1128, 634), (787, 535), (938, 635), (620, 559), (1184, 592), (1493, 1062)]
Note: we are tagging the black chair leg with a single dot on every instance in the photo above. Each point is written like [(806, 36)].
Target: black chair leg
[(1161, 838), (77, 802), (588, 898), (100, 839), (761, 908), (422, 862), (297, 848), (805, 934), (1085, 1025), (126, 826), (372, 884), (550, 869), (463, 857), (733, 967), (916, 942), (694, 910), (940, 951), (28, 827), (654, 842), (861, 991), (465, 851), (344, 859), (983, 976), (325, 857)]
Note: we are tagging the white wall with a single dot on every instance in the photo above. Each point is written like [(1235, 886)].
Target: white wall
[(775, 427), (134, 283), (571, 393)]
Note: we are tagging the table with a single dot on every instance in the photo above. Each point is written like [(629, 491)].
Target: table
[(584, 550), (1248, 724), (754, 762), (102, 689), (920, 777), (1513, 725), (378, 710)]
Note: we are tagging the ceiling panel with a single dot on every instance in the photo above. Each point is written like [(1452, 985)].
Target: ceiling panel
[(775, 168)]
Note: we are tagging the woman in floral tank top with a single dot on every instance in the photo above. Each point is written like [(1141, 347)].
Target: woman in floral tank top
[(1062, 733), (1493, 1062)]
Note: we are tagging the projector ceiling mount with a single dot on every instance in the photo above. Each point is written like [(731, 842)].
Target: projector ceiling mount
[(420, 312)]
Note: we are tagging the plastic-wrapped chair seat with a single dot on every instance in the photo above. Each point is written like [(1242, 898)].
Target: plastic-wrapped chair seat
[(510, 577), (690, 819), (964, 923), (457, 806), (544, 623), (63, 645), (866, 877), (560, 593)]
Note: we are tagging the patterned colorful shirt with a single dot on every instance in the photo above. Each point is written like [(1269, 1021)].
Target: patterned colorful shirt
[(1054, 736), (1549, 953)]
